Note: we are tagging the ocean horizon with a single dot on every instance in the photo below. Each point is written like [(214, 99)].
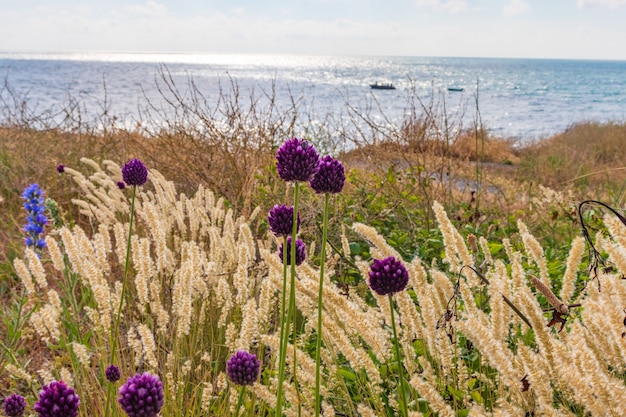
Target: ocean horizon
[(518, 98)]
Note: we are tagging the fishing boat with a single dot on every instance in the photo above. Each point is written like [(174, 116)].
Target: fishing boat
[(382, 86)]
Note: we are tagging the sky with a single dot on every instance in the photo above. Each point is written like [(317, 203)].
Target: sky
[(577, 29)]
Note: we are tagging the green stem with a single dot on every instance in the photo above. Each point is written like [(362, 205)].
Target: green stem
[(295, 350), (126, 265), (283, 324), (242, 390), (292, 302), (403, 404), (318, 345), (292, 292)]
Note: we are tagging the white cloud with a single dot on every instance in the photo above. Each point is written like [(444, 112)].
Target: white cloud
[(515, 8), (610, 4), (450, 6), (455, 6), (149, 9)]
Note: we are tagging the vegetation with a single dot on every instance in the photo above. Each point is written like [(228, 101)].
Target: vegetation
[(489, 231)]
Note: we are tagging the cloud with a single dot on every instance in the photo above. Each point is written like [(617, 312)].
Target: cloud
[(450, 6), (149, 9), (515, 8), (609, 4)]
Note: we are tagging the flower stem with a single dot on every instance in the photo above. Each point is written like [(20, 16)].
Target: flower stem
[(108, 404), (242, 390), (318, 345), (283, 324), (292, 301), (403, 404), (126, 266)]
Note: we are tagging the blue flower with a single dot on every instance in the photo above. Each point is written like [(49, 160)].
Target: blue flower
[(36, 219)]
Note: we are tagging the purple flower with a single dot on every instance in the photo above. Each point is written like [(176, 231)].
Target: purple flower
[(280, 219), (14, 405), (135, 172), (60, 168), (112, 373), (296, 160), (388, 276), (121, 185), (57, 400), (330, 176), (300, 251), (142, 395), (243, 368)]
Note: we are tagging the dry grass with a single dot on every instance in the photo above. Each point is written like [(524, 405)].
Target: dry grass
[(588, 157)]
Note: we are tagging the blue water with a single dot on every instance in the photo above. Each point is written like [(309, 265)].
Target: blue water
[(517, 98)]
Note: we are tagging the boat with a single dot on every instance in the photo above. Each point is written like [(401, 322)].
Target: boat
[(382, 86), (456, 89)]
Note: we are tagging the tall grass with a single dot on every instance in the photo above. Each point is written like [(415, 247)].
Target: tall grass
[(475, 324)]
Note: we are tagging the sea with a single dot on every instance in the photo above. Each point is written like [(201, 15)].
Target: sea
[(520, 99)]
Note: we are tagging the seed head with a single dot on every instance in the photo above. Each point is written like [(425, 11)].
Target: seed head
[(388, 276), (330, 176), (243, 368), (296, 160), (134, 172)]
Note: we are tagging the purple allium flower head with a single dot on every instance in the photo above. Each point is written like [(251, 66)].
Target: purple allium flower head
[(121, 185), (14, 405), (60, 168), (300, 251), (243, 368), (134, 172), (280, 219), (142, 395), (388, 276), (112, 373), (330, 176), (297, 160), (36, 219), (57, 400)]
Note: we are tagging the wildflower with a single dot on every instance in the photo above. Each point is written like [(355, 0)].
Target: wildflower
[(36, 219), (388, 276), (60, 168), (121, 185), (330, 176), (14, 405), (243, 368), (300, 251), (57, 400), (112, 373), (280, 219), (134, 172), (296, 160), (142, 395)]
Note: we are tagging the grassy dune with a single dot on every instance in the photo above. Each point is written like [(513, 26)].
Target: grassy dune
[(488, 230)]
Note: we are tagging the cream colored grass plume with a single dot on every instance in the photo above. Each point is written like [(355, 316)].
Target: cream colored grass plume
[(203, 286)]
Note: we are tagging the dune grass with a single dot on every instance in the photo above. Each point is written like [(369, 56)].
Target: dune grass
[(488, 231)]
